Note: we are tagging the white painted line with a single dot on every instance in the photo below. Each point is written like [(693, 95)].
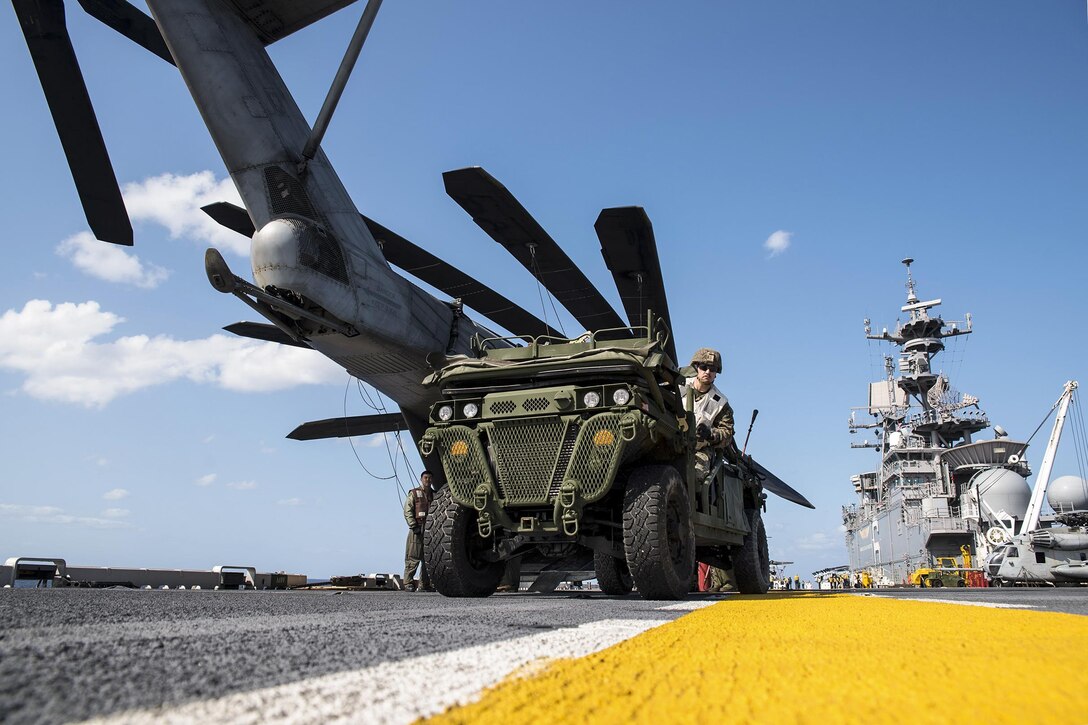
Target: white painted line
[(688, 606), (991, 605), (388, 693)]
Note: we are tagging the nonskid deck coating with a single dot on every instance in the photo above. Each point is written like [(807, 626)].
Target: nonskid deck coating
[(811, 659)]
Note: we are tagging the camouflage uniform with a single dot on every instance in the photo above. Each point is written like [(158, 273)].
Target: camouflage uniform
[(712, 409), (720, 580), (419, 500)]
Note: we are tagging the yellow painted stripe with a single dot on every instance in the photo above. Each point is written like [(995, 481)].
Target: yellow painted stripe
[(814, 659)]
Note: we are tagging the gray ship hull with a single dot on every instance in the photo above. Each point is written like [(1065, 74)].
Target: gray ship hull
[(893, 542)]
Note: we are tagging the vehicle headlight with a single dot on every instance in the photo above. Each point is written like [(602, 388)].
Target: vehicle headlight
[(621, 396), (445, 412), (470, 410), (591, 399)]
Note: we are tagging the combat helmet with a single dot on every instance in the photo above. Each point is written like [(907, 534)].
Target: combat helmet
[(706, 356)]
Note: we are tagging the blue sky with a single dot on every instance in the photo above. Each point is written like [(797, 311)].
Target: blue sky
[(788, 153)]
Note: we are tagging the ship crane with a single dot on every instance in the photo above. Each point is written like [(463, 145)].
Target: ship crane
[(1054, 554), (1035, 505)]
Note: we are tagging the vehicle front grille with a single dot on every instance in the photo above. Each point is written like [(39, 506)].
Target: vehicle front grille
[(525, 453), (597, 454), (503, 407), (463, 460), (535, 405), (533, 457), (565, 452)]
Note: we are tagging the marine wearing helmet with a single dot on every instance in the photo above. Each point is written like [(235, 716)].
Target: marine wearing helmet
[(707, 356), (714, 426)]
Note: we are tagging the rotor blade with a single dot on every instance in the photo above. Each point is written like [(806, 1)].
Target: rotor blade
[(778, 487), (261, 331), (131, 23), (231, 216), (356, 425), (506, 221), (58, 70), (630, 253), (432, 270)]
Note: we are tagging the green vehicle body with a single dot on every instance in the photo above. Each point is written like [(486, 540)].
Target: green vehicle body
[(944, 578), (538, 444)]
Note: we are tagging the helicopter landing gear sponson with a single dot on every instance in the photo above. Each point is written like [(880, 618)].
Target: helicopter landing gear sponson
[(452, 549), (658, 537)]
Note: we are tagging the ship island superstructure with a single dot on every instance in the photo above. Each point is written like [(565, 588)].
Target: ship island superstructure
[(939, 487)]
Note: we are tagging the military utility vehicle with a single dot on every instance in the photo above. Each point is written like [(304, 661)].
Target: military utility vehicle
[(583, 448)]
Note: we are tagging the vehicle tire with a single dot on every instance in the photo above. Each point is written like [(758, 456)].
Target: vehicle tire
[(658, 537), (997, 582), (937, 583), (961, 583), (751, 561), (612, 574), (452, 548)]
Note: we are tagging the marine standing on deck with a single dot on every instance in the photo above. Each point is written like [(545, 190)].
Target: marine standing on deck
[(714, 426), (714, 429), (415, 515)]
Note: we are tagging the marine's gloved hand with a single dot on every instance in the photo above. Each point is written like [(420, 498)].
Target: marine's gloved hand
[(703, 432)]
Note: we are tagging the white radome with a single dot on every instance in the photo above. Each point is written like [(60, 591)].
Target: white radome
[(1003, 490), (1068, 493)]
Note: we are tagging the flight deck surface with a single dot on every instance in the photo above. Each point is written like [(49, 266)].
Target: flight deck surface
[(391, 657)]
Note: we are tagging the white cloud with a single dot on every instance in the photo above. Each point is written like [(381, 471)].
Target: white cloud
[(55, 348), (12, 510), (242, 485), (115, 494), (778, 242), (206, 480), (257, 367), (290, 502), (175, 201), (819, 541), (110, 262), (115, 513), (54, 515)]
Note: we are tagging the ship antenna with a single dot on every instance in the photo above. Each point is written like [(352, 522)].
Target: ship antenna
[(911, 297)]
